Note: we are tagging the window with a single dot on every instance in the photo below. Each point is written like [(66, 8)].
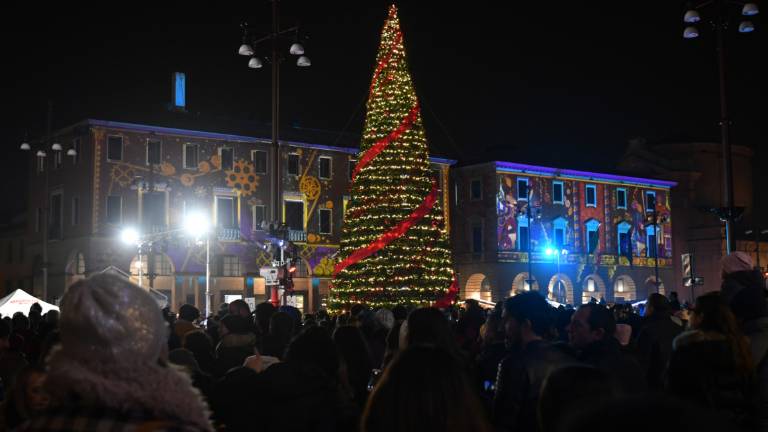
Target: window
[(351, 168), (154, 152), (650, 201), (153, 209), (259, 216), (325, 167), (259, 159), (477, 238), (593, 236), (557, 192), (522, 189), (476, 189), (114, 209), (624, 241), (293, 164), (325, 221), (227, 155), (78, 149), (191, 155), (620, 285), (40, 164), (651, 242), (559, 227), (522, 233), (114, 148), (591, 285), (294, 215), (621, 198), (226, 212), (591, 195), (230, 265), (75, 211), (56, 223)]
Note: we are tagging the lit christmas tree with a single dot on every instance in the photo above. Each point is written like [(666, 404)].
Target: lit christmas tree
[(394, 247)]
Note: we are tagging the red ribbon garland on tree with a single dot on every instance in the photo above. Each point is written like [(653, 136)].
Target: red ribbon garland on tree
[(379, 147), (398, 231)]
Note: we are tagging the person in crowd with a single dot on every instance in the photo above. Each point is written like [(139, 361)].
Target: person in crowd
[(493, 351), (300, 394), (424, 389), (281, 330), (264, 312), (674, 302), (26, 399), (109, 368), (241, 308), (188, 315), (237, 343), (711, 364), (743, 290), (356, 363), (428, 326), (568, 390), (185, 359), (468, 327), (393, 344), (23, 333), (527, 318), (400, 313), (12, 361), (592, 333), (200, 345), (383, 320), (654, 343)]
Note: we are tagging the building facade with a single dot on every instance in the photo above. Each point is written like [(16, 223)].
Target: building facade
[(150, 177), (582, 235)]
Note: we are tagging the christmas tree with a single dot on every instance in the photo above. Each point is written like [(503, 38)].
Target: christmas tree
[(394, 248)]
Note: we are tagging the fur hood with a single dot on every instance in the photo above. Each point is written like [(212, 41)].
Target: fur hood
[(162, 391)]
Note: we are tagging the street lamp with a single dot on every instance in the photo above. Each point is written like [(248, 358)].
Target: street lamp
[(557, 253), (41, 155), (198, 225), (249, 42), (131, 237), (720, 24)]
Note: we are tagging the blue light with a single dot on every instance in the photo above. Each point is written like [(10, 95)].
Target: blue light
[(550, 251), (281, 243), (179, 89)]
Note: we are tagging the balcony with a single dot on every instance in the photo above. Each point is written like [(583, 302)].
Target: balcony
[(297, 236), (228, 234)]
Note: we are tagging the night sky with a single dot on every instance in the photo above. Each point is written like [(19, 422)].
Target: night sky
[(559, 83)]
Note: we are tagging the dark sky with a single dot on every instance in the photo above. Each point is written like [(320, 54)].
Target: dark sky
[(563, 83)]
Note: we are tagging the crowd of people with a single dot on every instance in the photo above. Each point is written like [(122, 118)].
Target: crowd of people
[(113, 361)]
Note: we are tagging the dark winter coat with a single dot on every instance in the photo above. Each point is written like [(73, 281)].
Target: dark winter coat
[(702, 370), (233, 350), (654, 347), (518, 385), (757, 332), (624, 370)]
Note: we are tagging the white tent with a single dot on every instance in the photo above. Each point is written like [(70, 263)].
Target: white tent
[(20, 301)]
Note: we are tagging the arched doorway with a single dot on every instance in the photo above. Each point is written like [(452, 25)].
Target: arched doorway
[(478, 287), (624, 289), (560, 289), (650, 285), (520, 284), (593, 286)]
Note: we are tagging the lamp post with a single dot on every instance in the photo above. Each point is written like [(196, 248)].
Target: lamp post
[(199, 226), (720, 24), (557, 253), (41, 155), (296, 49), (654, 220)]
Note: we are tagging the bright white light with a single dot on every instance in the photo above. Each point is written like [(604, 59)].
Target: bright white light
[(691, 32), (549, 251), (71, 152), (746, 27), (56, 147), (255, 63), (303, 61), (750, 9), (25, 146), (297, 49), (197, 224), (130, 236), (564, 252), (245, 50), (691, 17)]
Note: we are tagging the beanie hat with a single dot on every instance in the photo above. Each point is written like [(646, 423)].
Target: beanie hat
[(736, 262), (106, 317)]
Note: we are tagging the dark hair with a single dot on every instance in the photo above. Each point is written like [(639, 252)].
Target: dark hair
[(392, 343), (658, 303), (717, 317), (424, 389), (19, 322), (428, 326), (264, 312), (533, 307), (569, 389), (197, 341), (5, 329), (600, 317), (354, 353), (400, 312), (314, 346), (240, 306), (188, 312)]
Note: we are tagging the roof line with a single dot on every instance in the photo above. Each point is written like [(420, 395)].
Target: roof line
[(534, 169)]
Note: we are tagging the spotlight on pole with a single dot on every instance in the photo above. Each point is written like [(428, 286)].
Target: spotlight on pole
[(129, 236), (197, 224)]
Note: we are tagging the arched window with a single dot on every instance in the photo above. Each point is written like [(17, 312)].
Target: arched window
[(624, 242), (592, 237), (559, 227)]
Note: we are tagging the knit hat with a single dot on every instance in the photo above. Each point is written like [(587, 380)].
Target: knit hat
[(107, 318), (736, 262)]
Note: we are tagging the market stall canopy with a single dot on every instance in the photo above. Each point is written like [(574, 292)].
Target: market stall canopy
[(20, 301)]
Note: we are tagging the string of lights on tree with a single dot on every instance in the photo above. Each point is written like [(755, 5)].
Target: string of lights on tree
[(394, 247)]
